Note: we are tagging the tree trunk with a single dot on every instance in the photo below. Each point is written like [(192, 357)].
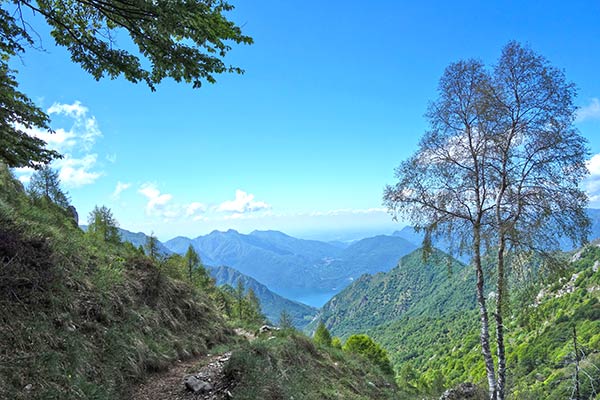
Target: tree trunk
[(485, 326), (577, 392), (501, 352)]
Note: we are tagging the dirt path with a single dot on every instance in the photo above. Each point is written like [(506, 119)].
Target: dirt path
[(170, 385), (205, 373)]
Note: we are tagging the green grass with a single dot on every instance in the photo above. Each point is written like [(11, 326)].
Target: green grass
[(81, 319), (291, 366)]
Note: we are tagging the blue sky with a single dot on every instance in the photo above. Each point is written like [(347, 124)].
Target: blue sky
[(332, 100)]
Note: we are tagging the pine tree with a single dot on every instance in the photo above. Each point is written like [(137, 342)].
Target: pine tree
[(192, 260), (151, 247)]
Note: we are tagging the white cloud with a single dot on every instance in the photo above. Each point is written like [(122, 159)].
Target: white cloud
[(75, 110), (243, 203), (120, 188), (75, 172), (162, 205), (157, 201), (78, 165), (194, 208), (346, 211), (592, 183), (24, 174), (593, 165), (61, 140), (591, 111)]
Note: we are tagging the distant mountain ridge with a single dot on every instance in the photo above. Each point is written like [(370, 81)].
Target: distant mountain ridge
[(293, 267), (410, 234)]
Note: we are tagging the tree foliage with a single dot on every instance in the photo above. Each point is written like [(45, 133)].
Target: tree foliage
[(362, 344), (151, 247), (45, 184), (322, 336), (17, 115), (252, 306), (183, 40), (103, 225), (192, 260), (285, 321)]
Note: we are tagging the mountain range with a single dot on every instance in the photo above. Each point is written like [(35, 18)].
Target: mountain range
[(296, 268)]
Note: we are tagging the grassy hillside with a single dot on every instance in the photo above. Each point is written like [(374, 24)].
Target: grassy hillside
[(293, 367), (271, 303), (82, 319)]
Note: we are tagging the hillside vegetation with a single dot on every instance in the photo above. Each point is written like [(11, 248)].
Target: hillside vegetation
[(426, 318), (271, 304), (414, 287), (86, 318), (290, 366), (81, 318)]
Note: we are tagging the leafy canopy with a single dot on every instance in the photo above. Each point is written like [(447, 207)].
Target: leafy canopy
[(362, 344), (45, 184), (180, 39), (103, 225), (184, 40)]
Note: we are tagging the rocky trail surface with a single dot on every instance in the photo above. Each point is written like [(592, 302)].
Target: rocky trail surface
[(194, 379), (198, 378)]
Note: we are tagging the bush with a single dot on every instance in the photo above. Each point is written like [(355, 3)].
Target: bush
[(365, 346)]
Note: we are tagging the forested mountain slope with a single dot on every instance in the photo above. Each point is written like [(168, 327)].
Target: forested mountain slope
[(272, 305), (426, 318), (416, 286)]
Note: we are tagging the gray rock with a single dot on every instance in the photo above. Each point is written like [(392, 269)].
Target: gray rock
[(73, 212), (464, 391), (196, 385), (268, 328)]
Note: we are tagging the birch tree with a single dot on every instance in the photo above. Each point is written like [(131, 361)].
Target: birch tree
[(442, 188), (537, 164), (500, 168)]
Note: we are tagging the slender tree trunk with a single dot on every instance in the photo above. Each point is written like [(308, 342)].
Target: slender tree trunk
[(485, 326), (577, 392), (500, 289)]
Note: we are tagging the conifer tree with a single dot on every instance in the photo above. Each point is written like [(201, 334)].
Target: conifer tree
[(322, 335), (103, 225), (45, 183), (285, 321)]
